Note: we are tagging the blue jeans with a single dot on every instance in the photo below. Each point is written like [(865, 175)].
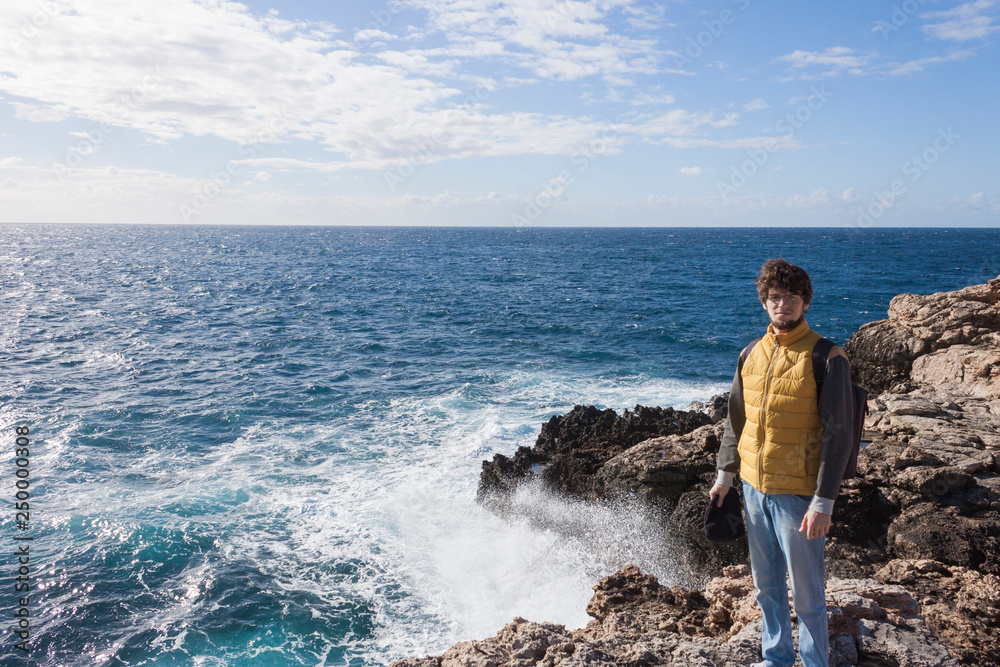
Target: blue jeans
[(777, 546)]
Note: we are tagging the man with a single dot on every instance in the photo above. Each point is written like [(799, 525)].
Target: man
[(790, 448)]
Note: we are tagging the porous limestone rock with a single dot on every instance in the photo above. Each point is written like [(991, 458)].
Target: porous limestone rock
[(638, 621), (884, 354), (961, 605)]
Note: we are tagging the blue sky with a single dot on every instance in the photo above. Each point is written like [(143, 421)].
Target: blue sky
[(500, 112)]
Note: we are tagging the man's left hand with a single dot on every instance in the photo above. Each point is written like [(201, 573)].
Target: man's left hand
[(815, 524)]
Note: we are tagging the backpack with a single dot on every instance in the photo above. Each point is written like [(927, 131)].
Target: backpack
[(858, 395)]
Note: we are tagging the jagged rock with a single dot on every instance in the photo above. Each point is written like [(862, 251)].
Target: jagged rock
[(717, 407), (881, 357), (911, 456), (732, 602), (871, 599), (963, 432), (935, 434), (661, 469), (883, 353), (884, 621), (928, 531), (429, 661), (502, 475), (961, 605), (961, 370), (638, 621), (579, 443), (629, 602), (856, 543), (896, 645), (933, 483), (572, 447)]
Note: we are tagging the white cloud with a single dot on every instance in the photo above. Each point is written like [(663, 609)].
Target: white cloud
[(839, 59), (690, 171), (963, 23), (373, 35), (770, 143), (756, 105), (262, 177), (174, 68), (680, 123), (187, 68), (250, 79), (918, 65), (835, 60), (646, 18), (42, 114), (644, 99), (820, 196), (848, 195), (564, 40)]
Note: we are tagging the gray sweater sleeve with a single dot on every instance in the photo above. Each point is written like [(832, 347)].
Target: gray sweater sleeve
[(836, 412), (729, 456)]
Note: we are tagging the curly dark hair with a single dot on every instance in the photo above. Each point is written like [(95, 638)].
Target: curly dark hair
[(785, 275)]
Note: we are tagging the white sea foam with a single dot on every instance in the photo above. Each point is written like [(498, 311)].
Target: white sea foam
[(465, 571), (377, 509)]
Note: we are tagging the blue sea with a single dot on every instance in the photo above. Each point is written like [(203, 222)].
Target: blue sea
[(261, 445)]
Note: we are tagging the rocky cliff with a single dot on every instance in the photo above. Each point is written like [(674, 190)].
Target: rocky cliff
[(913, 553)]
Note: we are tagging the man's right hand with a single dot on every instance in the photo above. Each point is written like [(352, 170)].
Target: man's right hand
[(719, 490)]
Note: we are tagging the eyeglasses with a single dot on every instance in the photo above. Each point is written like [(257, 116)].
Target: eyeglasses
[(790, 299)]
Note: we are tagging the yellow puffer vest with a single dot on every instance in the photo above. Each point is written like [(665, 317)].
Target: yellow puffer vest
[(780, 445)]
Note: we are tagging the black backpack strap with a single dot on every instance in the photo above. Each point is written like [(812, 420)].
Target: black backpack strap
[(820, 353)]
